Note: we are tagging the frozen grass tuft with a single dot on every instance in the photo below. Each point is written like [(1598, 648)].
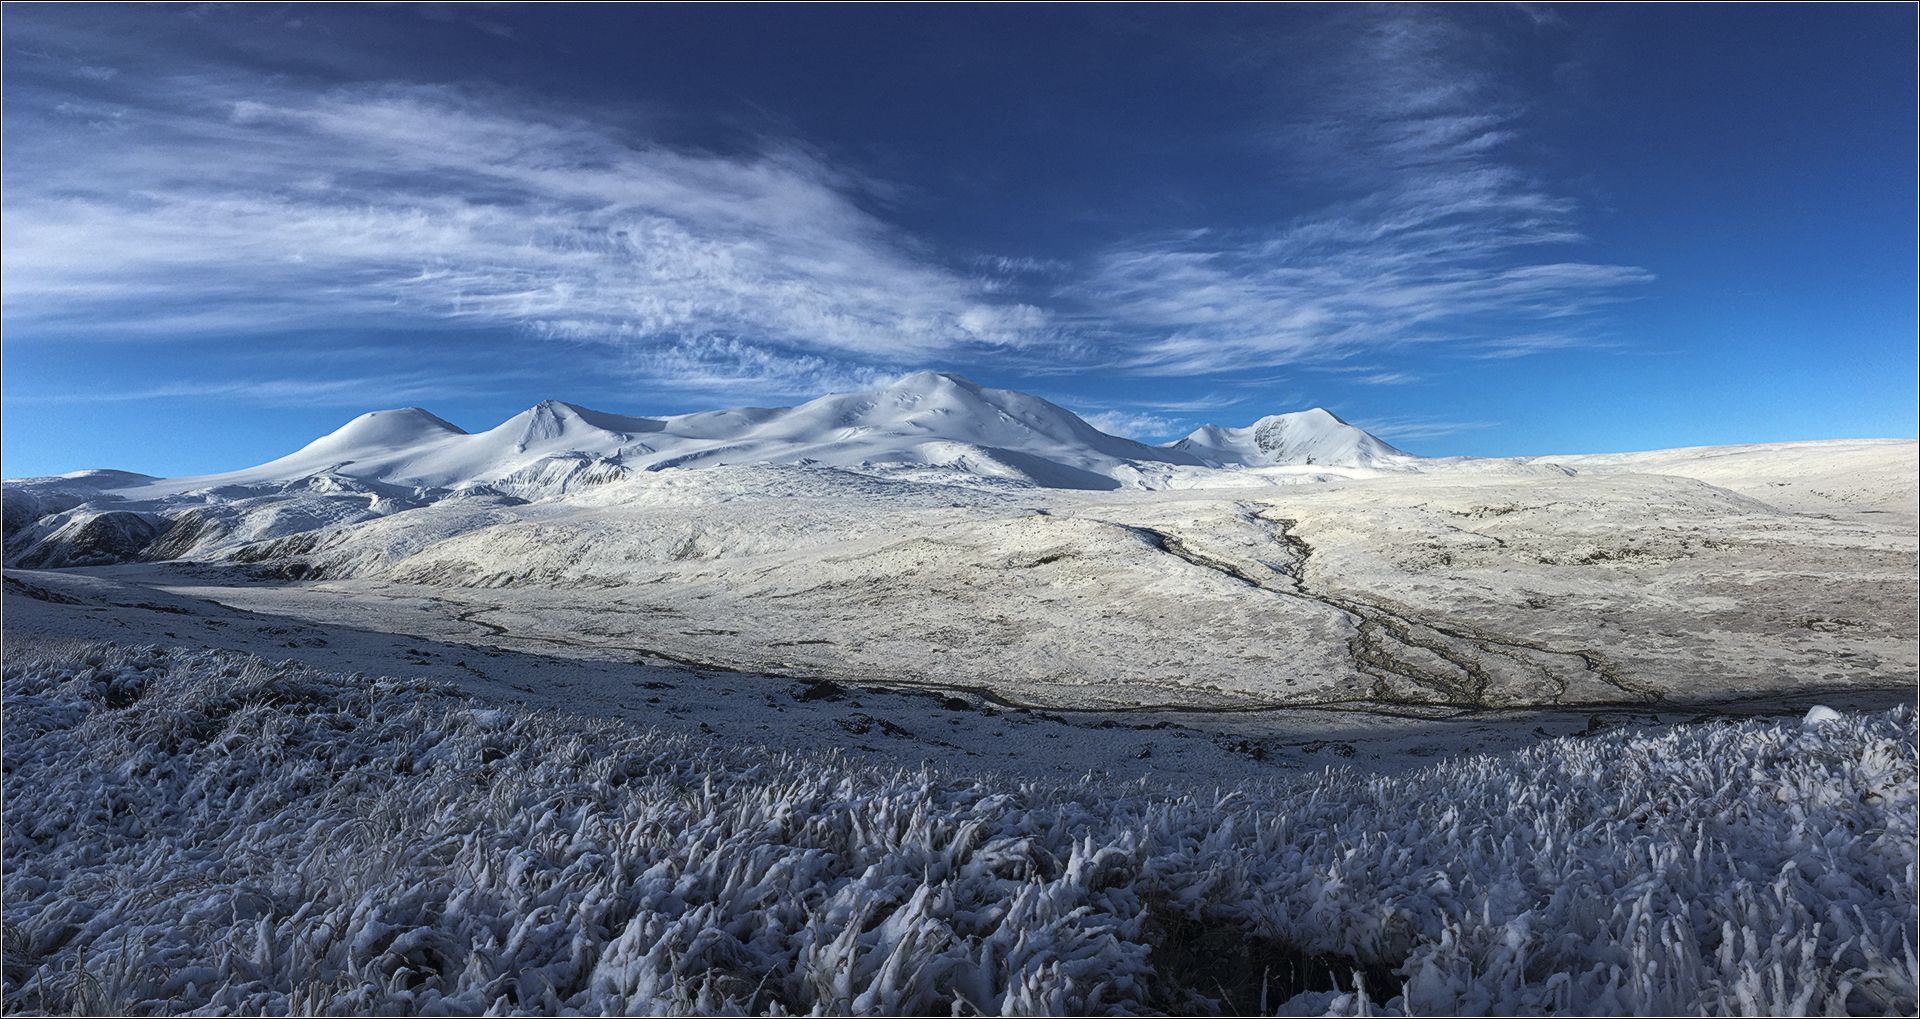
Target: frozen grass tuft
[(207, 832)]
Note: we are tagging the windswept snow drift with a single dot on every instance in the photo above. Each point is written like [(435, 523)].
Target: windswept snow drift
[(197, 832)]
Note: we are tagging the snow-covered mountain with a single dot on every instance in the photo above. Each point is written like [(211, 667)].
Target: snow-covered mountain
[(929, 420), (1313, 436), (927, 427)]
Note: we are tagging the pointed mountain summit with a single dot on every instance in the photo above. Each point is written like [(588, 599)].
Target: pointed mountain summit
[(1315, 436), (552, 423)]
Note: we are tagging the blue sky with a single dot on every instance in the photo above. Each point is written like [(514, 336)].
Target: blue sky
[(1482, 230)]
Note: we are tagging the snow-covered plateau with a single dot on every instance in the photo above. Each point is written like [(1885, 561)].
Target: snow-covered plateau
[(934, 697), (935, 532)]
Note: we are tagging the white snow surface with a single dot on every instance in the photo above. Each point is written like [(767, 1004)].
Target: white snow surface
[(926, 419), (211, 833), (1305, 437), (198, 831), (935, 532), (1706, 573)]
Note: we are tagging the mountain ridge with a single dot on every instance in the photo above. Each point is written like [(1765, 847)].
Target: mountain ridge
[(1312, 436), (926, 437), (925, 421)]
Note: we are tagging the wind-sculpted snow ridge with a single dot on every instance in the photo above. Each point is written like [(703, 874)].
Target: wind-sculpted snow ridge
[(190, 831)]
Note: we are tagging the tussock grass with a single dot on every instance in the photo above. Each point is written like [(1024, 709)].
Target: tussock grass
[(192, 831)]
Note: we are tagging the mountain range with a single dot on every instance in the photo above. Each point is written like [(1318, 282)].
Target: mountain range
[(928, 419), (926, 427), (927, 436)]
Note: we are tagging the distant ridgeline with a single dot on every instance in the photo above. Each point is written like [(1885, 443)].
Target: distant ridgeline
[(928, 426)]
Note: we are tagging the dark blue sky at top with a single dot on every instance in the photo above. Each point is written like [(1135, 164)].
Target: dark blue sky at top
[(1485, 230)]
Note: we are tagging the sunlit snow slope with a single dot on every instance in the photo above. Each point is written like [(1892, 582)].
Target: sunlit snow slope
[(926, 419), (1309, 437)]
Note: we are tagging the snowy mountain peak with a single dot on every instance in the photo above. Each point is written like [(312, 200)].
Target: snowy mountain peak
[(926, 381), (943, 392), (953, 407), (543, 423), (383, 429), (1314, 436), (1311, 414), (554, 423), (928, 425), (942, 420)]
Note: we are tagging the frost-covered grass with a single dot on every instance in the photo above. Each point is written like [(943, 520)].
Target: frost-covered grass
[(193, 831)]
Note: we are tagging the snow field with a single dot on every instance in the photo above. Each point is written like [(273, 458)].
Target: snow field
[(192, 831)]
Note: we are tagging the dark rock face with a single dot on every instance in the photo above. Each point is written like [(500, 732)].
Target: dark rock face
[(98, 540), (21, 508), (187, 532)]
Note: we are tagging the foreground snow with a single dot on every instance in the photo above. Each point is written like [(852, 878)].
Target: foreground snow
[(200, 831)]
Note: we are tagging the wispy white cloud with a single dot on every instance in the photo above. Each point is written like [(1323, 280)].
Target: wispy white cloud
[(1136, 424), (1404, 428), (208, 200), (1439, 231), (1388, 379), (384, 389), (1205, 401), (232, 204), (1527, 345), (728, 367), (1022, 265)]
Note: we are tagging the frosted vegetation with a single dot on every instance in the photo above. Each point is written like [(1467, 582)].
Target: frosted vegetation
[(202, 831)]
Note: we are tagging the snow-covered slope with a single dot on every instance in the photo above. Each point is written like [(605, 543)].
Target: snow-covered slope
[(411, 448), (929, 427), (1308, 437), (928, 419), (1876, 475)]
